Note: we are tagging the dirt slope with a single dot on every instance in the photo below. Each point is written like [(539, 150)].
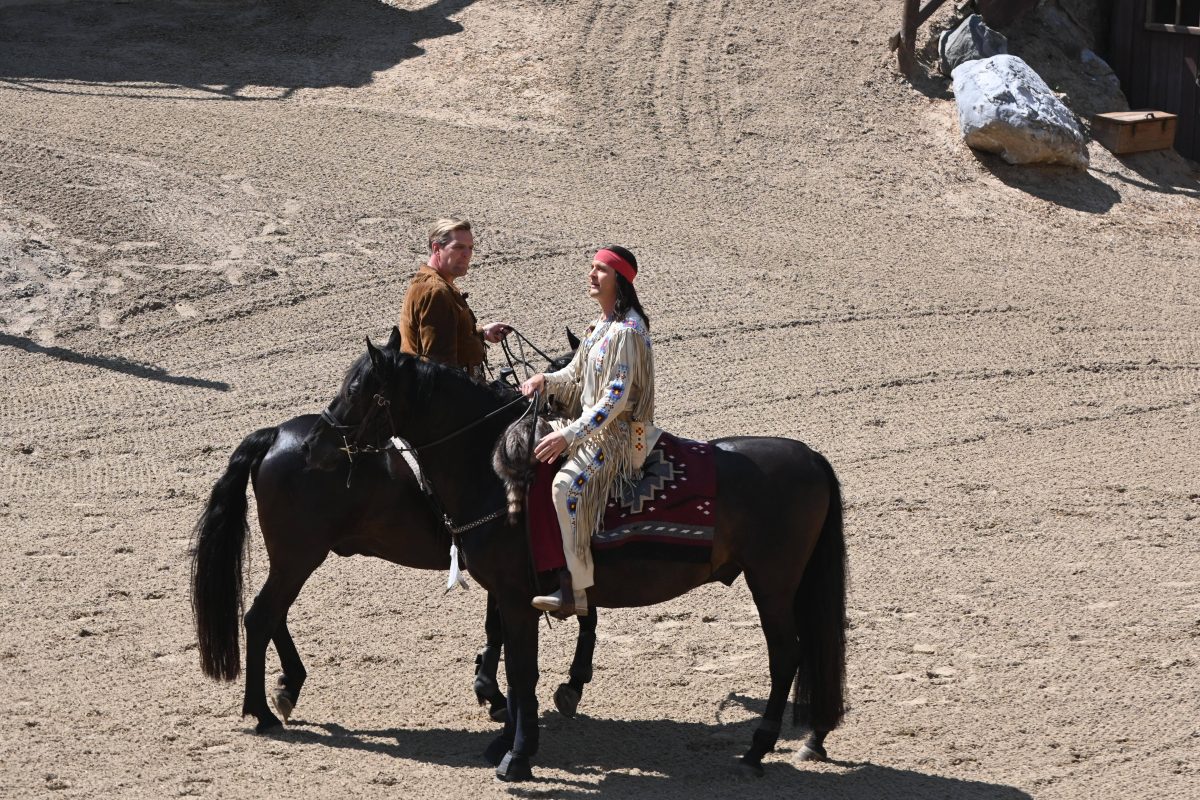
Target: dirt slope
[(204, 207)]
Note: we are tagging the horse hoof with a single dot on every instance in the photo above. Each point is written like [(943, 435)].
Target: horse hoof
[(282, 700), (487, 692), (267, 724), (749, 769), (495, 752), (566, 700), (499, 713), (810, 752), (514, 768)]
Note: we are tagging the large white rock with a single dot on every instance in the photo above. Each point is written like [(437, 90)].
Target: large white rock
[(1005, 107)]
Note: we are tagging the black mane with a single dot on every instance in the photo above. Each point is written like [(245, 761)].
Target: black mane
[(433, 383)]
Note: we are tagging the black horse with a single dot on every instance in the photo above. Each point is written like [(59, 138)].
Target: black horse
[(779, 520), (305, 515)]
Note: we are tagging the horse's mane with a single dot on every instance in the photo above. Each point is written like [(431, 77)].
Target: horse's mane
[(356, 370), (434, 380)]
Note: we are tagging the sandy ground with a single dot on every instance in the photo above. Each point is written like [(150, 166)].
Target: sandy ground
[(205, 206)]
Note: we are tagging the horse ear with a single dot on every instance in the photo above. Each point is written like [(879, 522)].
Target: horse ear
[(376, 356), (393, 342), (572, 339)]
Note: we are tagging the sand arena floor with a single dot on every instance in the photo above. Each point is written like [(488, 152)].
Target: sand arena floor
[(205, 206)]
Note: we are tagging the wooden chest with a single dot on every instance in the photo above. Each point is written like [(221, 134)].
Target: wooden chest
[(1134, 131)]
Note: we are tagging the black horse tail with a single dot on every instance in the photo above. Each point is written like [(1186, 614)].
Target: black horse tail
[(820, 612), (217, 555)]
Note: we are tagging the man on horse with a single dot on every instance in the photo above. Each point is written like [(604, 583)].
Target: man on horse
[(608, 391), (436, 323), (435, 320)]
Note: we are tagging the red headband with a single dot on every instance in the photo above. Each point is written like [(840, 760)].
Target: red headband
[(623, 267)]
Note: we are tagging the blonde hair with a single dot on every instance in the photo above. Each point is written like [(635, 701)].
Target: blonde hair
[(441, 231)]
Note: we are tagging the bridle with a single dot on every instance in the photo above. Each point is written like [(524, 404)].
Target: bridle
[(352, 446)]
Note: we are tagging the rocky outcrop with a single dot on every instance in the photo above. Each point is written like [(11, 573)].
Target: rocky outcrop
[(970, 41), (1004, 107)]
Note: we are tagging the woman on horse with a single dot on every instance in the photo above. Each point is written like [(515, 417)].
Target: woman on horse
[(608, 390)]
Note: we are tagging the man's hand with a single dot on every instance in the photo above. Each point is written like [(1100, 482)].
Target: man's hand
[(496, 331), (550, 447), (535, 384)]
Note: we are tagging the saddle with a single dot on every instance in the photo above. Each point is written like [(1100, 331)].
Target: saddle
[(668, 515)]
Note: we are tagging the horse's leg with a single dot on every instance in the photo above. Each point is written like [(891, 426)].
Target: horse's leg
[(568, 695), (520, 665), (286, 693), (487, 662), (776, 612), (264, 618)]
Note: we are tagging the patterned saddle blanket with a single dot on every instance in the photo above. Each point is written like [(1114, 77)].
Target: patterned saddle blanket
[(669, 515)]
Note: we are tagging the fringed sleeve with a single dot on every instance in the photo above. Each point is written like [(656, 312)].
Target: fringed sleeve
[(565, 386), (627, 376), (603, 433)]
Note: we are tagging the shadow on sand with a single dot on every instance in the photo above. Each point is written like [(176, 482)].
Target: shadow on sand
[(114, 363), (1063, 186), (215, 48), (1163, 171), (653, 758)]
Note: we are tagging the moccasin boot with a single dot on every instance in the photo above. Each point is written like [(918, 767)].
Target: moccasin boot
[(575, 602), (552, 603)]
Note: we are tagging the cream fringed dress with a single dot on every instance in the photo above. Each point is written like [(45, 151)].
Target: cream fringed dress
[(609, 388)]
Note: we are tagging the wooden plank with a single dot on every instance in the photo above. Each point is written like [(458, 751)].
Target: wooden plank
[(908, 37), (1120, 41), (1133, 117), (1185, 29), (1174, 83), (1139, 73), (923, 14), (1188, 139)]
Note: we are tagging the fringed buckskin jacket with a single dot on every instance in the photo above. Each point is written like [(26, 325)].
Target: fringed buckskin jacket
[(436, 323), (608, 388)]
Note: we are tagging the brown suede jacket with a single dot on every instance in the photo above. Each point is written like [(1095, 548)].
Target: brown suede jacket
[(436, 323)]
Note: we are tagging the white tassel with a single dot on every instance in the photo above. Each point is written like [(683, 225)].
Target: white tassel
[(456, 574)]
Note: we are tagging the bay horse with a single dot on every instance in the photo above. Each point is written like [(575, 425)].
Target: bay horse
[(305, 515), (778, 521)]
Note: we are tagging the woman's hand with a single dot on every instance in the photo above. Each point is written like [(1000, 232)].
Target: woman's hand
[(535, 384), (550, 447)]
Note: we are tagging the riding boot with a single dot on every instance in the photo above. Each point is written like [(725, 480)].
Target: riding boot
[(565, 601)]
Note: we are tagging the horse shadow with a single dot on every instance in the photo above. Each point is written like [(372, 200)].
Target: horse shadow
[(277, 46), (114, 363), (653, 758)]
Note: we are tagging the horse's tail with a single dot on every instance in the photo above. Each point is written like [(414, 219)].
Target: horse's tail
[(217, 554), (820, 611)]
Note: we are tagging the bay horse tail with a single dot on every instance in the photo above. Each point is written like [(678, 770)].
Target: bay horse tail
[(217, 555), (820, 612)]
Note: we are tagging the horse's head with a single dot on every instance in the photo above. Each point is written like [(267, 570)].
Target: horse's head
[(359, 418)]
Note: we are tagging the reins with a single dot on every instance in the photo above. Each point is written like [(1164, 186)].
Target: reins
[(465, 428), (352, 433), (522, 340)]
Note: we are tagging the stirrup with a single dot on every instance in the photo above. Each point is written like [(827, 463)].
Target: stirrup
[(552, 602), (554, 605)]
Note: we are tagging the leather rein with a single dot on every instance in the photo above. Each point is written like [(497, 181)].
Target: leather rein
[(352, 446)]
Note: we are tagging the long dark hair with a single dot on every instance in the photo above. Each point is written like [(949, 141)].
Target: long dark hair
[(627, 297)]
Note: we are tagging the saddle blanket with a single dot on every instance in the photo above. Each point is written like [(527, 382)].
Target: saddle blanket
[(668, 516)]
